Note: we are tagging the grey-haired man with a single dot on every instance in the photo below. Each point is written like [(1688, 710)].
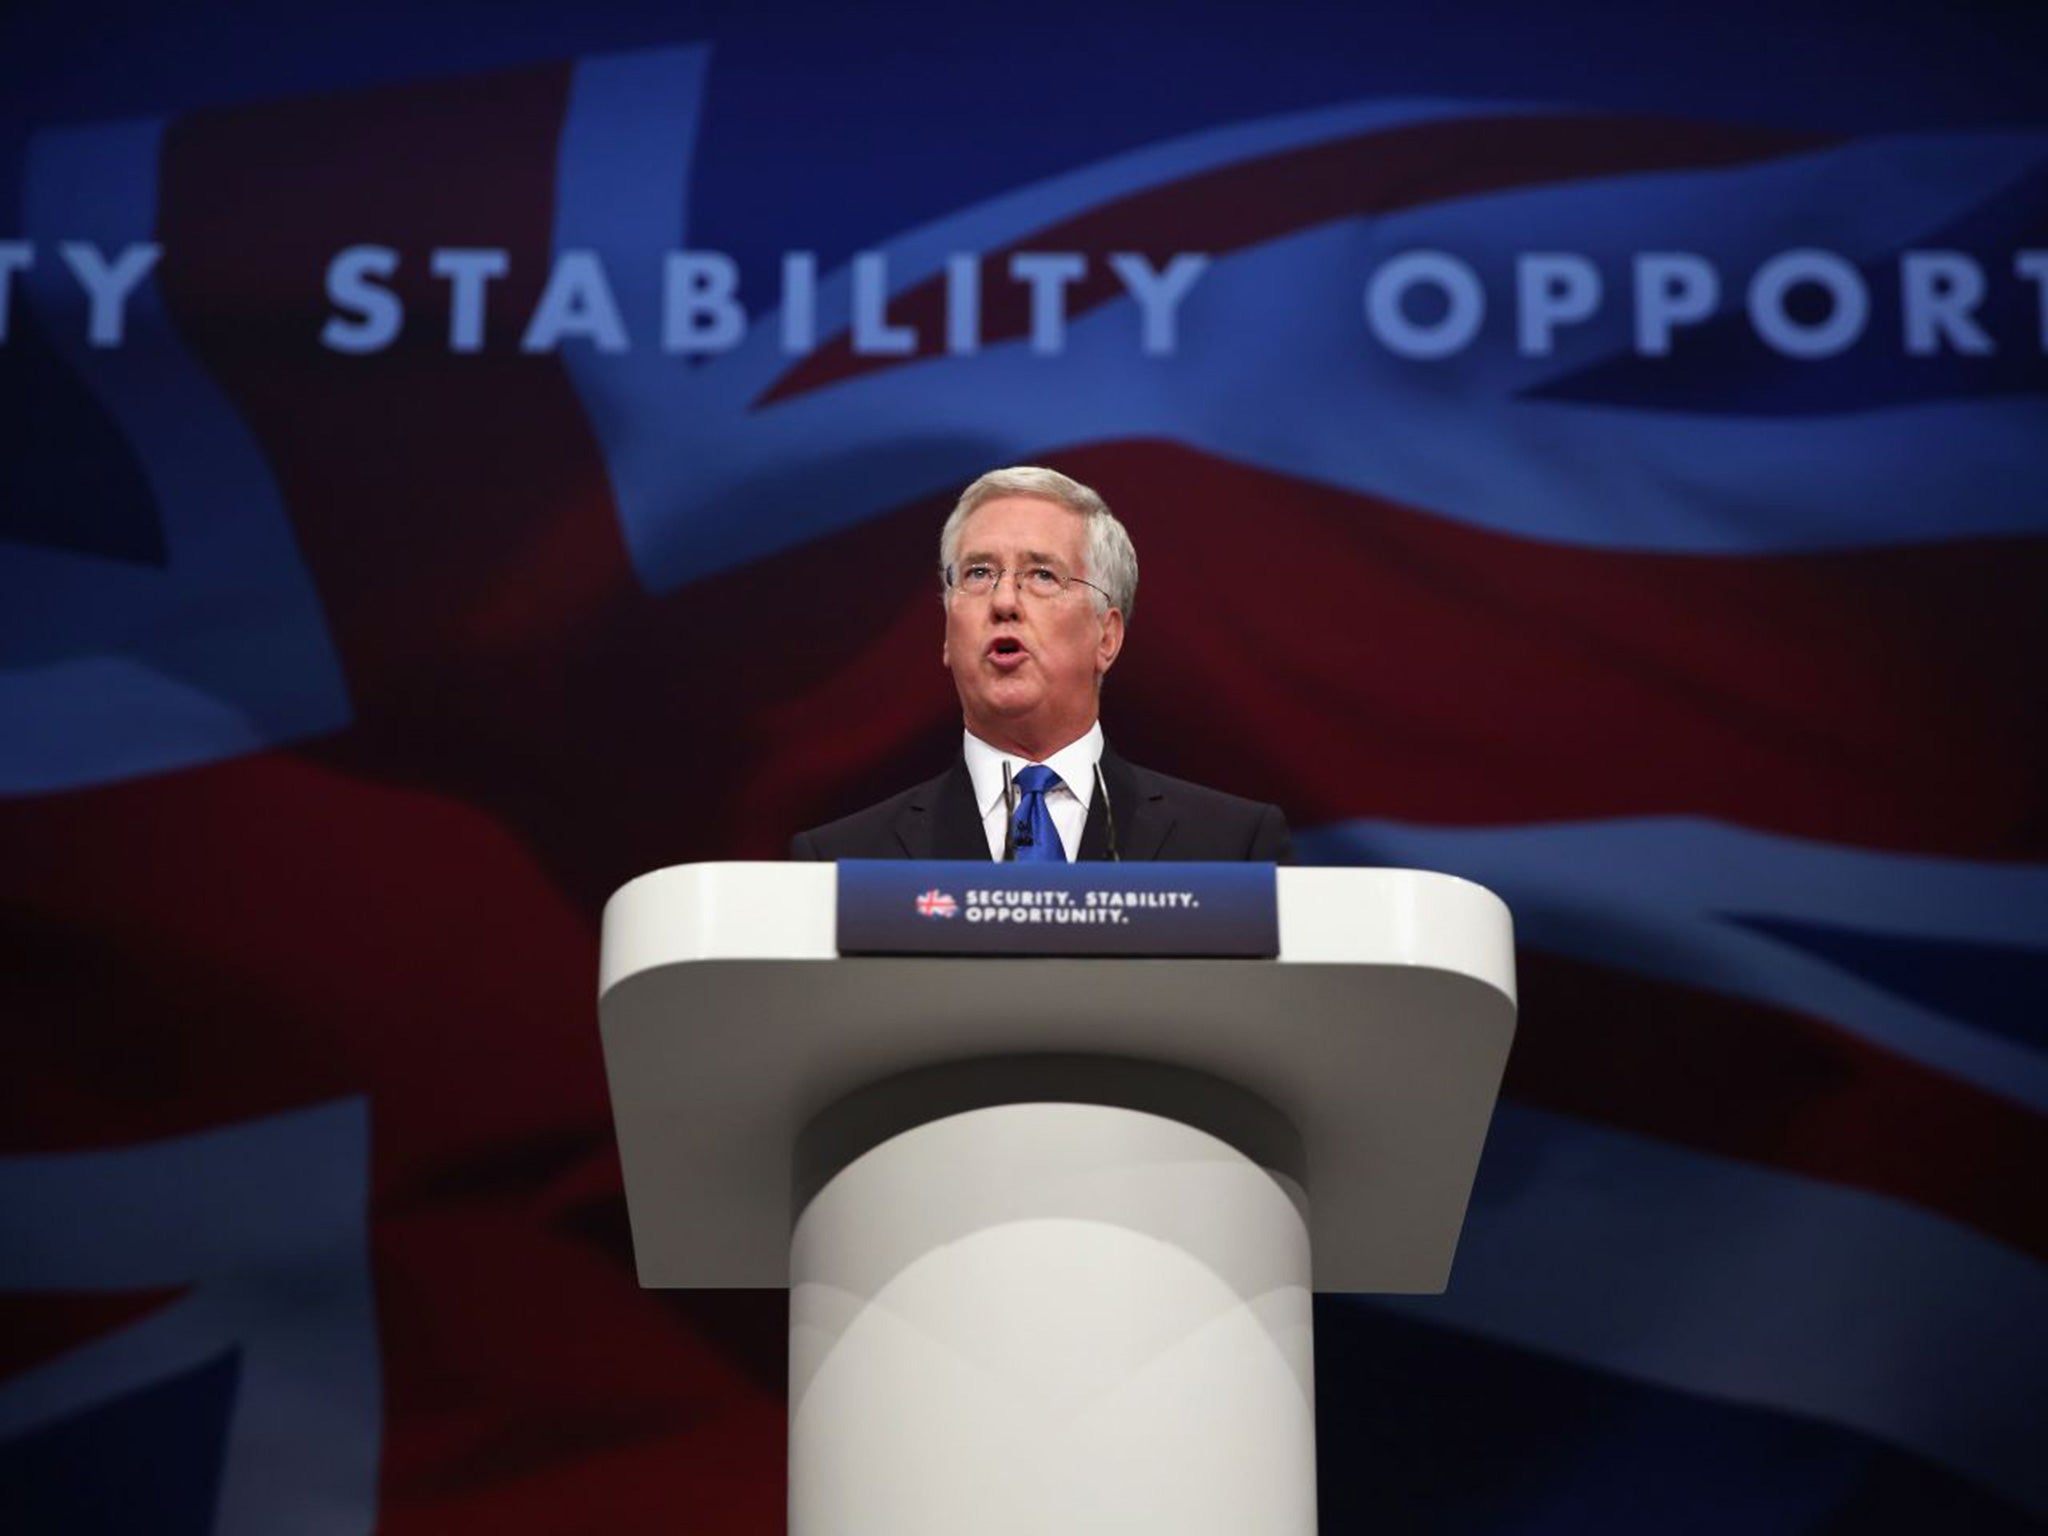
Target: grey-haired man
[(1040, 579)]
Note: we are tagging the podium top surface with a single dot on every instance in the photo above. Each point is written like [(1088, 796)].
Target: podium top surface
[(758, 911), (730, 1024)]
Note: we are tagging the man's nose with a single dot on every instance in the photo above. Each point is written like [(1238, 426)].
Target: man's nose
[(1008, 592)]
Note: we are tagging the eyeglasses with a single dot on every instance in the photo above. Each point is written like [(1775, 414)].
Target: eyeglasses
[(979, 579)]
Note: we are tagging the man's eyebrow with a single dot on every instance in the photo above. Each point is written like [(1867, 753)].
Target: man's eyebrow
[(990, 557)]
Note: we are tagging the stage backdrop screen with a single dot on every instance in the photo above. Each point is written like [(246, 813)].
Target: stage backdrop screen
[(456, 457)]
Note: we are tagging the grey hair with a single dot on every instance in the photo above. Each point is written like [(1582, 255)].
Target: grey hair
[(1111, 560)]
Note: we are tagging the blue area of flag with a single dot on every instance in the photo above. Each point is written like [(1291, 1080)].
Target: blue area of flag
[(69, 480), (1996, 987), (147, 1464), (1426, 1430)]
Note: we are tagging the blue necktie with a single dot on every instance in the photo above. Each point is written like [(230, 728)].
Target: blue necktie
[(1036, 839)]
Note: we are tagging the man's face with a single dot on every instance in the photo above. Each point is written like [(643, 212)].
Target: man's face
[(1027, 667)]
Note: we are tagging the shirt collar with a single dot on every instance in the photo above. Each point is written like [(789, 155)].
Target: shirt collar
[(1074, 763)]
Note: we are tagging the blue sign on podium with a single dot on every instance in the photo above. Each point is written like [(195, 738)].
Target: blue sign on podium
[(946, 907)]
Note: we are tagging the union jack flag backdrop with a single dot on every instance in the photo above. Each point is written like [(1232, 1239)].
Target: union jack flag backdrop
[(453, 461)]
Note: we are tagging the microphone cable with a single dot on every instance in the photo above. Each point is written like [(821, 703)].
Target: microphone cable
[(1108, 813), (1009, 816)]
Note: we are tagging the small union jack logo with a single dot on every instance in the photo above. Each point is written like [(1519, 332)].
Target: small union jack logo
[(936, 903)]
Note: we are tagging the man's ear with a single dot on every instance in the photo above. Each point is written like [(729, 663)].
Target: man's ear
[(1111, 643)]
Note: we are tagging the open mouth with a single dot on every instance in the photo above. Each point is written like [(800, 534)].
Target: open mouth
[(1005, 649)]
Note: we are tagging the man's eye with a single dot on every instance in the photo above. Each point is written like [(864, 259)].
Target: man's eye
[(1043, 576), (978, 573)]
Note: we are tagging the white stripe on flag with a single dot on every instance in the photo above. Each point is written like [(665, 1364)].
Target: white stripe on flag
[(1714, 1277), (1654, 896)]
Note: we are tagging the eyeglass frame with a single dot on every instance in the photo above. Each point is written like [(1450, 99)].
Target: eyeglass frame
[(1016, 575)]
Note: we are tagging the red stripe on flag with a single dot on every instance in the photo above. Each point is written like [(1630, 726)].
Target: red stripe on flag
[(265, 934), (38, 1326), (1353, 658), (1776, 1088)]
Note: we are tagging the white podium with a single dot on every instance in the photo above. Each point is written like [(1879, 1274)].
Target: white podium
[(1050, 1227)]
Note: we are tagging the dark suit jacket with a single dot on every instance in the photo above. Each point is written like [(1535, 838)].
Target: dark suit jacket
[(1157, 818)]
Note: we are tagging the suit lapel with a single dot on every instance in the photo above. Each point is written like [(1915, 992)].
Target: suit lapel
[(941, 821), (1144, 815)]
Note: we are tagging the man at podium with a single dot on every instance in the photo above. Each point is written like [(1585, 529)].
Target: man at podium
[(1039, 581)]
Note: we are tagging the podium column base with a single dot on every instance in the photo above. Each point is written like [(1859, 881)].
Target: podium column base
[(1052, 1317)]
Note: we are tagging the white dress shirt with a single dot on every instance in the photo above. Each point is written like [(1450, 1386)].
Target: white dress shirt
[(1068, 803)]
